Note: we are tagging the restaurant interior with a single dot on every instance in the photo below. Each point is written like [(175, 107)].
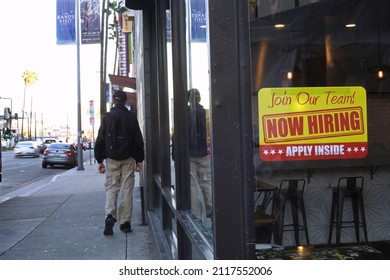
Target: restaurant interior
[(337, 208)]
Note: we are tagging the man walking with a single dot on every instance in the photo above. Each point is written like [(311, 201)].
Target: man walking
[(120, 144)]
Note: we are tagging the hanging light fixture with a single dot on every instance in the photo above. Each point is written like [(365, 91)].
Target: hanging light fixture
[(380, 74), (290, 69)]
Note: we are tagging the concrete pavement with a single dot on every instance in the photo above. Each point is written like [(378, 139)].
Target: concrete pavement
[(62, 218)]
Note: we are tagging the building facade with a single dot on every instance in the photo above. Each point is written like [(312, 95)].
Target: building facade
[(284, 90)]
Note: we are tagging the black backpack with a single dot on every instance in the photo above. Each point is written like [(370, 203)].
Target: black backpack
[(117, 136)]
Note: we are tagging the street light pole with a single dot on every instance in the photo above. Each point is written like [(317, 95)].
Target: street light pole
[(80, 164)]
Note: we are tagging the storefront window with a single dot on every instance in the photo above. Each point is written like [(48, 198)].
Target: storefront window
[(170, 84), (198, 108), (193, 194), (321, 88)]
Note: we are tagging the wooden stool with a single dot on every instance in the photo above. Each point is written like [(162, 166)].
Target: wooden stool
[(266, 225), (292, 191), (351, 187)]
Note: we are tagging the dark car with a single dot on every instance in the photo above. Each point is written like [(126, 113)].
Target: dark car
[(60, 154), (41, 146), (47, 142)]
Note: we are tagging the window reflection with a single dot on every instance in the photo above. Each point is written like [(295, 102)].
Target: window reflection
[(198, 20), (200, 169), (170, 87), (198, 109)]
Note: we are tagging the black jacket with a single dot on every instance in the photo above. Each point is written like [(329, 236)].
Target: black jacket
[(136, 145), (198, 134)]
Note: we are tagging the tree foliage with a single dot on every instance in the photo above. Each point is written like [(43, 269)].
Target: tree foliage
[(29, 77), (115, 9)]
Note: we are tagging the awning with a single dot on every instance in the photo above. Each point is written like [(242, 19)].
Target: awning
[(123, 81), (128, 82), (138, 4)]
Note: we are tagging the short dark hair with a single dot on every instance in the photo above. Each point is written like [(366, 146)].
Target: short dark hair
[(194, 95), (119, 97)]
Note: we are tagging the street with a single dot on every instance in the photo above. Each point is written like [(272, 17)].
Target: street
[(18, 172)]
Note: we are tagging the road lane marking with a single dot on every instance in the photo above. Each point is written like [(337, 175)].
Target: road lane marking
[(25, 191), (54, 178), (5, 199)]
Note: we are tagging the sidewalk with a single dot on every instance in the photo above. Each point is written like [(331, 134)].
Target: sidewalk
[(63, 219)]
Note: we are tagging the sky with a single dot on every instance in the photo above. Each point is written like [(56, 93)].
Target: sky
[(28, 42)]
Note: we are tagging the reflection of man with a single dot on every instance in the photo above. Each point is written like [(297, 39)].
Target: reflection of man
[(200, 170)]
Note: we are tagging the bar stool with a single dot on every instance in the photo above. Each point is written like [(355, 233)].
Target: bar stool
[(292, 191), (263, 193), (351, 187), (266, 224)]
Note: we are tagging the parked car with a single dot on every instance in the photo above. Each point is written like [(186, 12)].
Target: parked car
[(60, 154), (26, 148), (41, 146)]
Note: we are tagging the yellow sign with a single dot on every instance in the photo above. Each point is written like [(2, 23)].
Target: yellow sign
[(312, 123)]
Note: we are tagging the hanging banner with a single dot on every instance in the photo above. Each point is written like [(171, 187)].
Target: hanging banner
[(312, 123), (198, 20), (65, 22), (90, 21), (91, 113)]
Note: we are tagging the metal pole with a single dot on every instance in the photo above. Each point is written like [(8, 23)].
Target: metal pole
[(143, 218), (80, 164), (41, 126), (35, 126), (103, 58)]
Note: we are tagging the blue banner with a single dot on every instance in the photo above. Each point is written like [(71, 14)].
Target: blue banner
[(65, 19), (90, 21), (198, 20)]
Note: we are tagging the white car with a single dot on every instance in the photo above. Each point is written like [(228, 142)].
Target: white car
[(26, 148)]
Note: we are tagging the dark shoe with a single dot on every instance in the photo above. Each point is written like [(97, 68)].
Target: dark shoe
[(110, 221), (126, 227)]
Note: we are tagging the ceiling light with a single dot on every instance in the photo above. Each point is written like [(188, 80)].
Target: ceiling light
[(279, 25)]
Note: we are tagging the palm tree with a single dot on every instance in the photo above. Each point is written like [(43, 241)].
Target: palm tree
[(29, 78)]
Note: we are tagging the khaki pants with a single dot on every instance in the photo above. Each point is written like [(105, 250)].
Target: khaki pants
[(200, 172), (120, 177)]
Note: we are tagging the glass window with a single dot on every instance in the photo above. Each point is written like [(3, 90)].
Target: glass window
[(192, 131), (198, 109), (170, 84), (321, 84)]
